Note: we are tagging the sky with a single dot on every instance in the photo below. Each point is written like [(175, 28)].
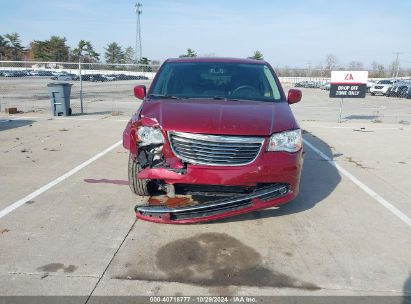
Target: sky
[(294, 33)]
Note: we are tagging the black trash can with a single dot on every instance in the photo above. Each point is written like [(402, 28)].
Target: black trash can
[(59, 93)]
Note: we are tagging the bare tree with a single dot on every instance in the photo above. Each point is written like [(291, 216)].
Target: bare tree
[(331, 62), (378, 70), (356, 66)]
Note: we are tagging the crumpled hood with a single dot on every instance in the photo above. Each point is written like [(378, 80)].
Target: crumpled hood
[(220, 116)]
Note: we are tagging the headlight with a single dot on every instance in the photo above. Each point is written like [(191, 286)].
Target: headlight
[(148, 136), (289, 141)]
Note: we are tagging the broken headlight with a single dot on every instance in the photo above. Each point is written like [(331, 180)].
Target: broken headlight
[(149, 136), (289, 141)]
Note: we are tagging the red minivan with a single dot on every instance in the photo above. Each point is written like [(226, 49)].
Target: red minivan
[(219, 131)]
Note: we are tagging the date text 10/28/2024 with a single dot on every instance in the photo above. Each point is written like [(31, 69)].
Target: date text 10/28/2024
[(205, 299)]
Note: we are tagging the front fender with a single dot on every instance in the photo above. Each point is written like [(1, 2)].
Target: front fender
[(129, 138)]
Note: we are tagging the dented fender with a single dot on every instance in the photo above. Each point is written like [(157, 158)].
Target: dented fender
[(130, 140)]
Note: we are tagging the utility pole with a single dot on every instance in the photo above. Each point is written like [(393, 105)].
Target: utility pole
[(396, 69), (309, 68), (138, 51)]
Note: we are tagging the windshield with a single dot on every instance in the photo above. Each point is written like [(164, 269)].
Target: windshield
[(385, 82), (220, 80)]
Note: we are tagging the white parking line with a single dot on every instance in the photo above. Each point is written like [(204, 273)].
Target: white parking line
[(58, 180), (360, 184)]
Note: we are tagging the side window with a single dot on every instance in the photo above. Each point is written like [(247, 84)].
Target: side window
[(265, 85), (275, 92), (162, 82)]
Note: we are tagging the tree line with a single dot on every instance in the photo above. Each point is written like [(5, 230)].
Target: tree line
[(330, 63), (56, 49)]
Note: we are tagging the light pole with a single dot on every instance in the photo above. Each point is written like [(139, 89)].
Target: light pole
[(81, 82), (396, 69), (138, 50)]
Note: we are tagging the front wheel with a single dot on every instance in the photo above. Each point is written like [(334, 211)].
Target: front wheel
[(138, 186)]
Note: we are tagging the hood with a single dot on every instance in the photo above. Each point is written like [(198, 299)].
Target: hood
[(220, 117)]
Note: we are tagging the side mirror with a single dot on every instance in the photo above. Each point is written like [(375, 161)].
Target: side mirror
[(140, 91), (294, 96)]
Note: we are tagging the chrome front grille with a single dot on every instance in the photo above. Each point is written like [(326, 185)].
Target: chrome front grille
[(215, 150)]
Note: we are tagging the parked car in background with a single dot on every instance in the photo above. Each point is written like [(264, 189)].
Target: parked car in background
[(15, 73), (45, 73), (85, 77), (326, 86), (308, 84), (97, 78), (301, 84), (381, 87), (408, 92), (64, 77), (388, 93), (109, 77), (398, 89), (405, 90), (370, 84), (218, 126)]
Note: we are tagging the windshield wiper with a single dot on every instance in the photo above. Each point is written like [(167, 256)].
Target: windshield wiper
[(224, 98), (164, 96)]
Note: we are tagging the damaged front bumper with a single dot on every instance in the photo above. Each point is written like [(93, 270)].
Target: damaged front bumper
[(260, 198)]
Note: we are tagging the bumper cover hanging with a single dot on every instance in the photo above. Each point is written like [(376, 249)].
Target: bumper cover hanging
[(194, 213)]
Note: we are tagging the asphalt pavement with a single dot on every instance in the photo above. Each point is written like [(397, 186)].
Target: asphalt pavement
[(67, 225)]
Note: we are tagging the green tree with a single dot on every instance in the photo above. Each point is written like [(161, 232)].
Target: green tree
[(257, 55), (54, 49), (190, 53), (59, 51), (4, 47), (145, 62), (14, 42), (85, 52), (128, 55), (114, 53), (40, 50)]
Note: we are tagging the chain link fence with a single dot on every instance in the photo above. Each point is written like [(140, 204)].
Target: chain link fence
[(96, 88), (108, 88)]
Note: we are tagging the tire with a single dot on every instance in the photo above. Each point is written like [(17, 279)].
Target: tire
[(137, 186), (372, 94)]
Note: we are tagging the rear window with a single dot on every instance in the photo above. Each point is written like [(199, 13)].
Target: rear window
[(216, 80)]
